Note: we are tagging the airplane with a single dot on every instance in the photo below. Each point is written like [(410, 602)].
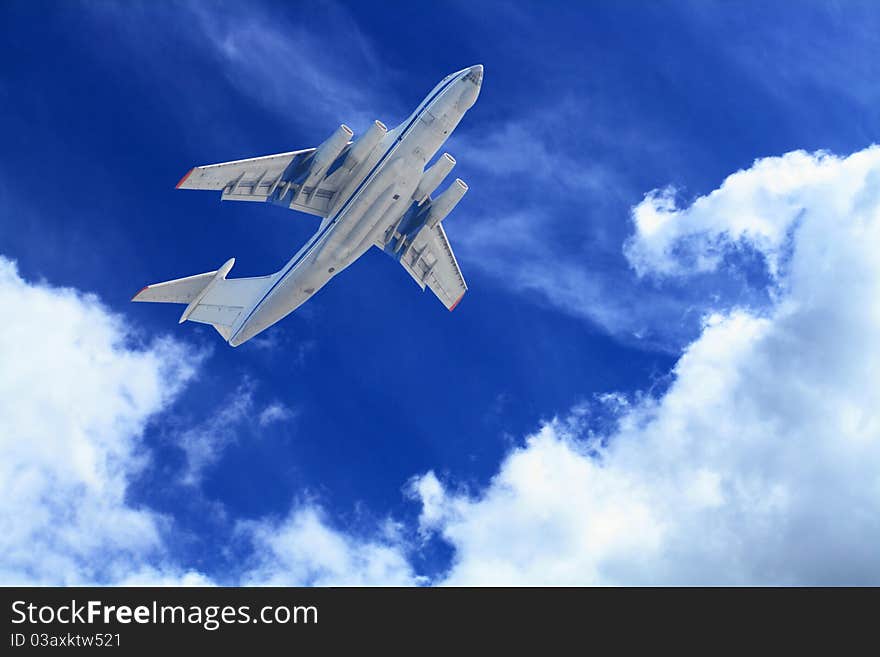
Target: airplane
[(374, 191)]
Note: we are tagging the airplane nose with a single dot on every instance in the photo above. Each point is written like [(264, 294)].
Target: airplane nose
[(469, 92), (475, 74)]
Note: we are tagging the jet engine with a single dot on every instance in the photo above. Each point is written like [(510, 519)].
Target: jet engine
[(365, 145), (443, 204), (432, 178), (325, 155)]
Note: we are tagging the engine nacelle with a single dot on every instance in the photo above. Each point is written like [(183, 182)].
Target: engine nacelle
[(444, 204), (432, 178), (365, 144), (326, 154)]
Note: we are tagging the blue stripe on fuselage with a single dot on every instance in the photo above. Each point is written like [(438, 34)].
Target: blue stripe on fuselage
[(316, 238)]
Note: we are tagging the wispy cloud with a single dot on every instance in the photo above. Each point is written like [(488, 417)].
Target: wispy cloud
[(310, 70), (313, 72), (532, 149), (279, 338), (205, 442), (546, 218), (792, 65), (275, 412)]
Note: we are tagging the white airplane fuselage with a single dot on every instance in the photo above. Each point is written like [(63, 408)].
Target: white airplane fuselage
[(372, 203)]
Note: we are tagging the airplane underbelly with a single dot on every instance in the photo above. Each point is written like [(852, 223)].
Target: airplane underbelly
[(293, 291), (381, 204)]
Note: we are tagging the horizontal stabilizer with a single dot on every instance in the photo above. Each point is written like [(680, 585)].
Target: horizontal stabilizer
[(180, 290), (211, 298)]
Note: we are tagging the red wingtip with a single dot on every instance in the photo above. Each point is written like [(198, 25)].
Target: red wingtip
[(183, 180), (139, 291), (458, 301)]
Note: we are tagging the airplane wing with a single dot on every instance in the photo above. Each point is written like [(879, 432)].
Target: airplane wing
[(307, 180), (256, 179), (431, 262)]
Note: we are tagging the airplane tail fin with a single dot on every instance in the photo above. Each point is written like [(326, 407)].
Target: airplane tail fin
[(210, 298)]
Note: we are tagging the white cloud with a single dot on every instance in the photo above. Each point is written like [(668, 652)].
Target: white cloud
[(758, 207), (167, 576), (304, 550), (760, 463), (75, 395)]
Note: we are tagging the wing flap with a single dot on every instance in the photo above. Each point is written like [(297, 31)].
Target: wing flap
[(254, 174), (431, 262), (237, 292), (216, 315), (228, 298), (278, 179)]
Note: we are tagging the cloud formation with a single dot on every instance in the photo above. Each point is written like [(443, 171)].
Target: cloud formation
[(759, 464), (303, 549), (76, 392), (758, 208)]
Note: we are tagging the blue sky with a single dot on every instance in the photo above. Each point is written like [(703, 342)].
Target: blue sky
[(372, 418)]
